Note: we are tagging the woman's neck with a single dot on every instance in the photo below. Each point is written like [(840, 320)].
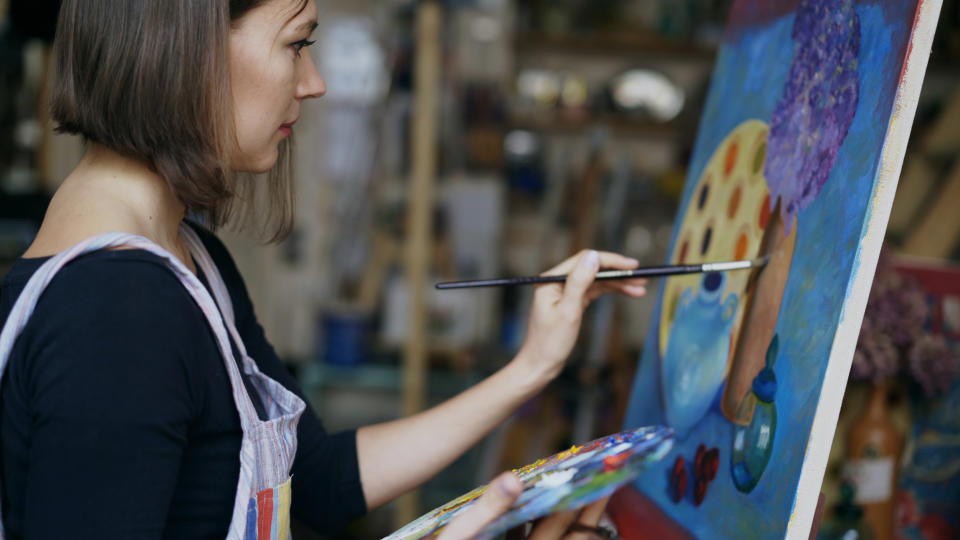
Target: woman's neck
[(109, 192)]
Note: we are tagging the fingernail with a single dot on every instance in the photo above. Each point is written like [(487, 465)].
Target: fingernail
[(508, 485), (591, 259)]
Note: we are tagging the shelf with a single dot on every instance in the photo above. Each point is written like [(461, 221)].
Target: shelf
[(639, 44), (619, 124)]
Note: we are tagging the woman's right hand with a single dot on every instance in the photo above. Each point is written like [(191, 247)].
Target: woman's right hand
[(500, 496), (557, 309)]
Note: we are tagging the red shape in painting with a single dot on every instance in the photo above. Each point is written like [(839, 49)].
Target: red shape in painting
[(678, 480), (711, 464), (765, 212), (698, 459), (699, 491)]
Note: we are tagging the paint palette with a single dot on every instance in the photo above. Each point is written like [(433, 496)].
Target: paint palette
[(565, 481), (724, 220)]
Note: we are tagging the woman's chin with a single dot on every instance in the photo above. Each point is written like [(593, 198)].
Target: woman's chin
[(260, 164)]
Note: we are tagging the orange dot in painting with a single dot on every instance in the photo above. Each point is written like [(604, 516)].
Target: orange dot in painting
[(731, 158), (734, 203), (683, 252), (765, 212), (740, 250)]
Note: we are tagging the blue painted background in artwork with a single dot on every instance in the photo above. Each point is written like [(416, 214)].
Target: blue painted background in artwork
[(747, 83)]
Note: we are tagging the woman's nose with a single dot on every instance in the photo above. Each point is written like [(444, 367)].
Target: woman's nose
[(311, 84)]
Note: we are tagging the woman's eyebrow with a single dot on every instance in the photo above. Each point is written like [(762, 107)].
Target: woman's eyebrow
[(311, 25)]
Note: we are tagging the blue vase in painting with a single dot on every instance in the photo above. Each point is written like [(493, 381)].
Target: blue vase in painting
[(755, 427), (695, 361)]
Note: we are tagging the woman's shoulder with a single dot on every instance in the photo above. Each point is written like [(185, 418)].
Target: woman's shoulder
[(131, 291)]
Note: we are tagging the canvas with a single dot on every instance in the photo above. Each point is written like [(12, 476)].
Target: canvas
[(797, 156)]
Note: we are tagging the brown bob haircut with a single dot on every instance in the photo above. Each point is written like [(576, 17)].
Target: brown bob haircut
[(150, 79)]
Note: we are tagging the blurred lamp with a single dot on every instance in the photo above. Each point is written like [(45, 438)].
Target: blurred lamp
[(647, 91)]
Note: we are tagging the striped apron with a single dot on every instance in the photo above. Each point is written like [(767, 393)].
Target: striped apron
[(261, 509)]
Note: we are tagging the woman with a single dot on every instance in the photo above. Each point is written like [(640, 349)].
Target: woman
[(135, 370)]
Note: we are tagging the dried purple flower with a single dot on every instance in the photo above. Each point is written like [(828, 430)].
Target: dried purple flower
[(876, 358), (932, 364)]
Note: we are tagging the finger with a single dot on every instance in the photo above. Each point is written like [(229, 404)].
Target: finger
[(620, 286), (598, 290), (552, 292), (607, 260), (633, 291), (498, 498), (579, 281), (553, 527), (589, 517)]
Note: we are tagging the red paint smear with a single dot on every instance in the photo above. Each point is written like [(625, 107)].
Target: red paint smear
[(616, 461), (906, 57), (638, 518)]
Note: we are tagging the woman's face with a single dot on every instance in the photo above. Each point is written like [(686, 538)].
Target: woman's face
[(271, 73)]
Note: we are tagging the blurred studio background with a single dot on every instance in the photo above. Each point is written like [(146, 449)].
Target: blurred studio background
[(478, 138)]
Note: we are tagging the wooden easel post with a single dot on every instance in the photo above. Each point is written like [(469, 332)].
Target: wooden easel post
[(420, 220)]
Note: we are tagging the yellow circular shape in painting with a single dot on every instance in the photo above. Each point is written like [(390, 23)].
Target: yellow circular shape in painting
[(720, 222)]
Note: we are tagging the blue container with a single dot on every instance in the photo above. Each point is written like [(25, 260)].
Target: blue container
[(698, 348), (344, 338)]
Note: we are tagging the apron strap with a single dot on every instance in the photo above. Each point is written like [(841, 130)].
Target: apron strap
[(28, 299), (220, 292)]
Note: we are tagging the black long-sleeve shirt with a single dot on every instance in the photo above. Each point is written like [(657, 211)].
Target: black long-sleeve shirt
[(117, 419)]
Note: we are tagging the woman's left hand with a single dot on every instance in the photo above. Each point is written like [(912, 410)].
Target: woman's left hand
[(503, 491), (558, 307)]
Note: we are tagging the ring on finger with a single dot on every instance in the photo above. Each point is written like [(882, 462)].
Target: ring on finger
[(599, 532)]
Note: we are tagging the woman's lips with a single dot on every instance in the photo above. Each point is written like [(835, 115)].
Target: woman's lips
[(287, 128)]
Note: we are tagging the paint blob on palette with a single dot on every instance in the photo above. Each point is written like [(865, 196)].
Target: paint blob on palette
[(565, 481)]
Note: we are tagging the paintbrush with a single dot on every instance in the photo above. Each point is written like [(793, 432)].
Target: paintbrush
[(646, 271)]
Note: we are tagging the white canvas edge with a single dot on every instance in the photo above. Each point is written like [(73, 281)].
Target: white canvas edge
[(844, 343)]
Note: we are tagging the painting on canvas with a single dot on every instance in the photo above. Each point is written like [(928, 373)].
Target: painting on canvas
[(797, 156)]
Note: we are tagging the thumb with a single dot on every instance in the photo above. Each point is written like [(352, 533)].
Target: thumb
[(498, 498), (580, 279)]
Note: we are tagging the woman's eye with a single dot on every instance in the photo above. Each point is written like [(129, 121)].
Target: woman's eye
[(301, 44)]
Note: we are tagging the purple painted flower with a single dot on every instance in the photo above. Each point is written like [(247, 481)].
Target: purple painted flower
[(819, 99)]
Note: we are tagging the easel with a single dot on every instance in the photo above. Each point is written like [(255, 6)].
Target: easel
[(420, 221)]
